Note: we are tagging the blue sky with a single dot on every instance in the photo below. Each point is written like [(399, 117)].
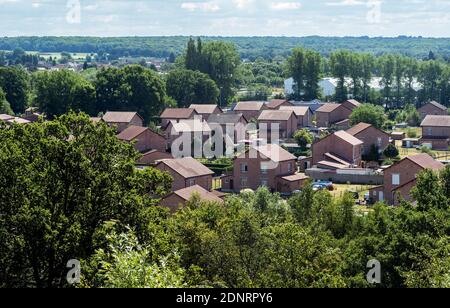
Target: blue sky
[(225, 17)]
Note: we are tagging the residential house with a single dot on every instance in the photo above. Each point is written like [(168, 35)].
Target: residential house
[(337, 151), (151, 157), (285, 119), (264, 166), (401, 177), (371, 137), (178, 199), (121, 120), (275, 104), (351, 104), (206, 110), (304, 115), (176, 115), (432, 108), (332, 113), (436, 132), (143, 139), (186, 172), (228, 121), (196, 130), (250, 110)]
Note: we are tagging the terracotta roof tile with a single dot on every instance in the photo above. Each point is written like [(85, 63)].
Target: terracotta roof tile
[(276, 103), (119, 117), (204, 109), (178, 113), (275, 115), (249, 106), (358, 128), (329, 107), (426, 161), (436, 121), (299, 111), (131, 132), (187, 193), (348, 138), (187, 167)]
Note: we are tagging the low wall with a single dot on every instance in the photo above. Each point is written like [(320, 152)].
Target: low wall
[(361, 177)]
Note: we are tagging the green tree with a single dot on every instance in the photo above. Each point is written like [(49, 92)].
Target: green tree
[(367, 66), (60, 181), (370, 114), (15, 83), (191, 87), (5, 108), (132, 88), (391, 151), (340, 66), (58, 92), (387, 69), (356, 73), (303, 138)]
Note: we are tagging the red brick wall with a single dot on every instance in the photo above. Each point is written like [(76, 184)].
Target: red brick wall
[(431, 110), (407, 170), (180, 182), (370, 137), (337, 146)]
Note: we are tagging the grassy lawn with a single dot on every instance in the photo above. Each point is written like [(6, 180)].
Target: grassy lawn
[(410, 152), (340, 189)]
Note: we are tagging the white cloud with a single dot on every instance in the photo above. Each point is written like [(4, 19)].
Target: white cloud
[(200, 6), (283, 6)]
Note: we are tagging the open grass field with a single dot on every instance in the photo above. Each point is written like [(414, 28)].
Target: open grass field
[(341, 189)]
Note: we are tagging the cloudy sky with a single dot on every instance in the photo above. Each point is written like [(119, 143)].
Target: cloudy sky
[(225, 17)]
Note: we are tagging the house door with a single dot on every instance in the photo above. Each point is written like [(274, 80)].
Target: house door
[(381, 196)]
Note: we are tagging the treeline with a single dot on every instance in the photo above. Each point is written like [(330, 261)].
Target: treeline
[(69, 190), (248, 47), (403, 80)]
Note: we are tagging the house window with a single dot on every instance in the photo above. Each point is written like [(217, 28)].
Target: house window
[(379, 142), (191, 182), (264, 183), (396, 179), (290, 167), (429, 131), (244, 168), (264, 168)]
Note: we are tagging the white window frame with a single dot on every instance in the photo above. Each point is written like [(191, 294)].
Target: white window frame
[(395, 179)]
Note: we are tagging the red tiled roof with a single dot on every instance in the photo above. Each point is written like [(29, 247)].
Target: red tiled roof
[(426, 161), (177, 113), (276, 103), (275, 115), (295, 177), (187, 167), (131, 132), (329, 107), (249, 106), (436, 121), (358, 128), (299, 111), (187, 193), (354, 102), (348, 138), (204, 109), (275, 152), (119, 116)]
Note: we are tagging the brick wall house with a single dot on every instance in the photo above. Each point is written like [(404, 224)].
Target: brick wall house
[(176, 115), (370, 136), (338, 150), (250, 110), (122, 120), (187, 172), (206, 110), (436, 132), (304, 115), (330, 114), (143, 139), (285, 119), (432, 108), (400, 178), (179, 198), (264, 166)]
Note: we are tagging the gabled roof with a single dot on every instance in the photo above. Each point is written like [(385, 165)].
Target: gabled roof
[(226, 118), (329, 107), (298, 110), (178, 113), (274, 152), (276, 115), (276, 103), (436, 104), (18, 120), (204, 109), (426, 162), (295, 177), (436, 121), (353, 102), (249, 106), (348, 138), (119, 116), (187, 193), (131, 132), (358, 128), (187, 167), (190, 126)]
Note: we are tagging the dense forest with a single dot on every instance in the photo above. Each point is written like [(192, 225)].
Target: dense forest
[(248, 47)]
